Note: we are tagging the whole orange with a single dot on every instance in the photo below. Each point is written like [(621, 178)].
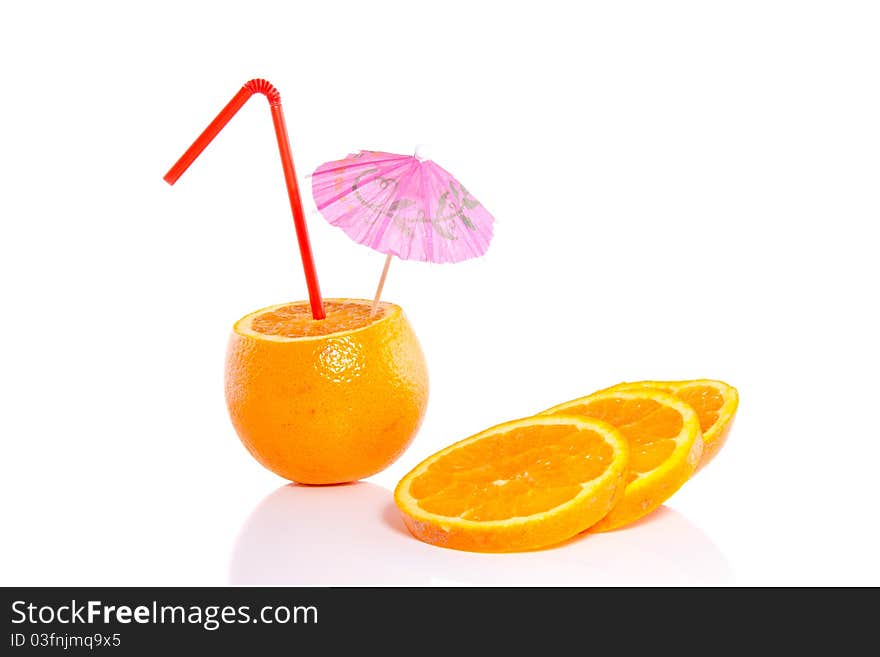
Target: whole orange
[(326, 401)]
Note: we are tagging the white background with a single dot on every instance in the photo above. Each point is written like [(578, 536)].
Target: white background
[(682, 190)]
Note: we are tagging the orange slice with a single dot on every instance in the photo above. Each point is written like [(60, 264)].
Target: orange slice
[(521, 485), (664, 439), (714, 401)]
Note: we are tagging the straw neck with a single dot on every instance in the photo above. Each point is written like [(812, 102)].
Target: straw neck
[(261, 86)]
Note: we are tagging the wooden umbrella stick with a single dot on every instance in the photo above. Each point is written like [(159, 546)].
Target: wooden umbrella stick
[(381, 285)]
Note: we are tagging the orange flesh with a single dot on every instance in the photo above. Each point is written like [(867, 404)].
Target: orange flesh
[(705, 401), (295, 320), (522, 472), (649, 426)]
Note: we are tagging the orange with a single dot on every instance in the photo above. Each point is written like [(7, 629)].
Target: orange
[(521, 485), (326, 401), (664, 439), (714, 401)]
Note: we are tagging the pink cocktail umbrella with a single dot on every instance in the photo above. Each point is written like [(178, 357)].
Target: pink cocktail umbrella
[(403, 206)]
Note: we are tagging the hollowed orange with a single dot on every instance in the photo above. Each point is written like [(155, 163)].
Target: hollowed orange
[(326, 401)]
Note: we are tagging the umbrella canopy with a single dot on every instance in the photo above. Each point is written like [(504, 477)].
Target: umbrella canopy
[(402, 205)]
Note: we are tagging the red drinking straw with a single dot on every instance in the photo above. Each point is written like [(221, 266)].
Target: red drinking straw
[(299, 220)]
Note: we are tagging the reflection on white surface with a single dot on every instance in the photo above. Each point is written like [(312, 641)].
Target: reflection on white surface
[(353, 535)]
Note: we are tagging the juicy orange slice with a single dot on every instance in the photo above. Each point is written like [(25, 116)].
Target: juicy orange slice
[(664, 439), (714, 401), (520, 485)]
